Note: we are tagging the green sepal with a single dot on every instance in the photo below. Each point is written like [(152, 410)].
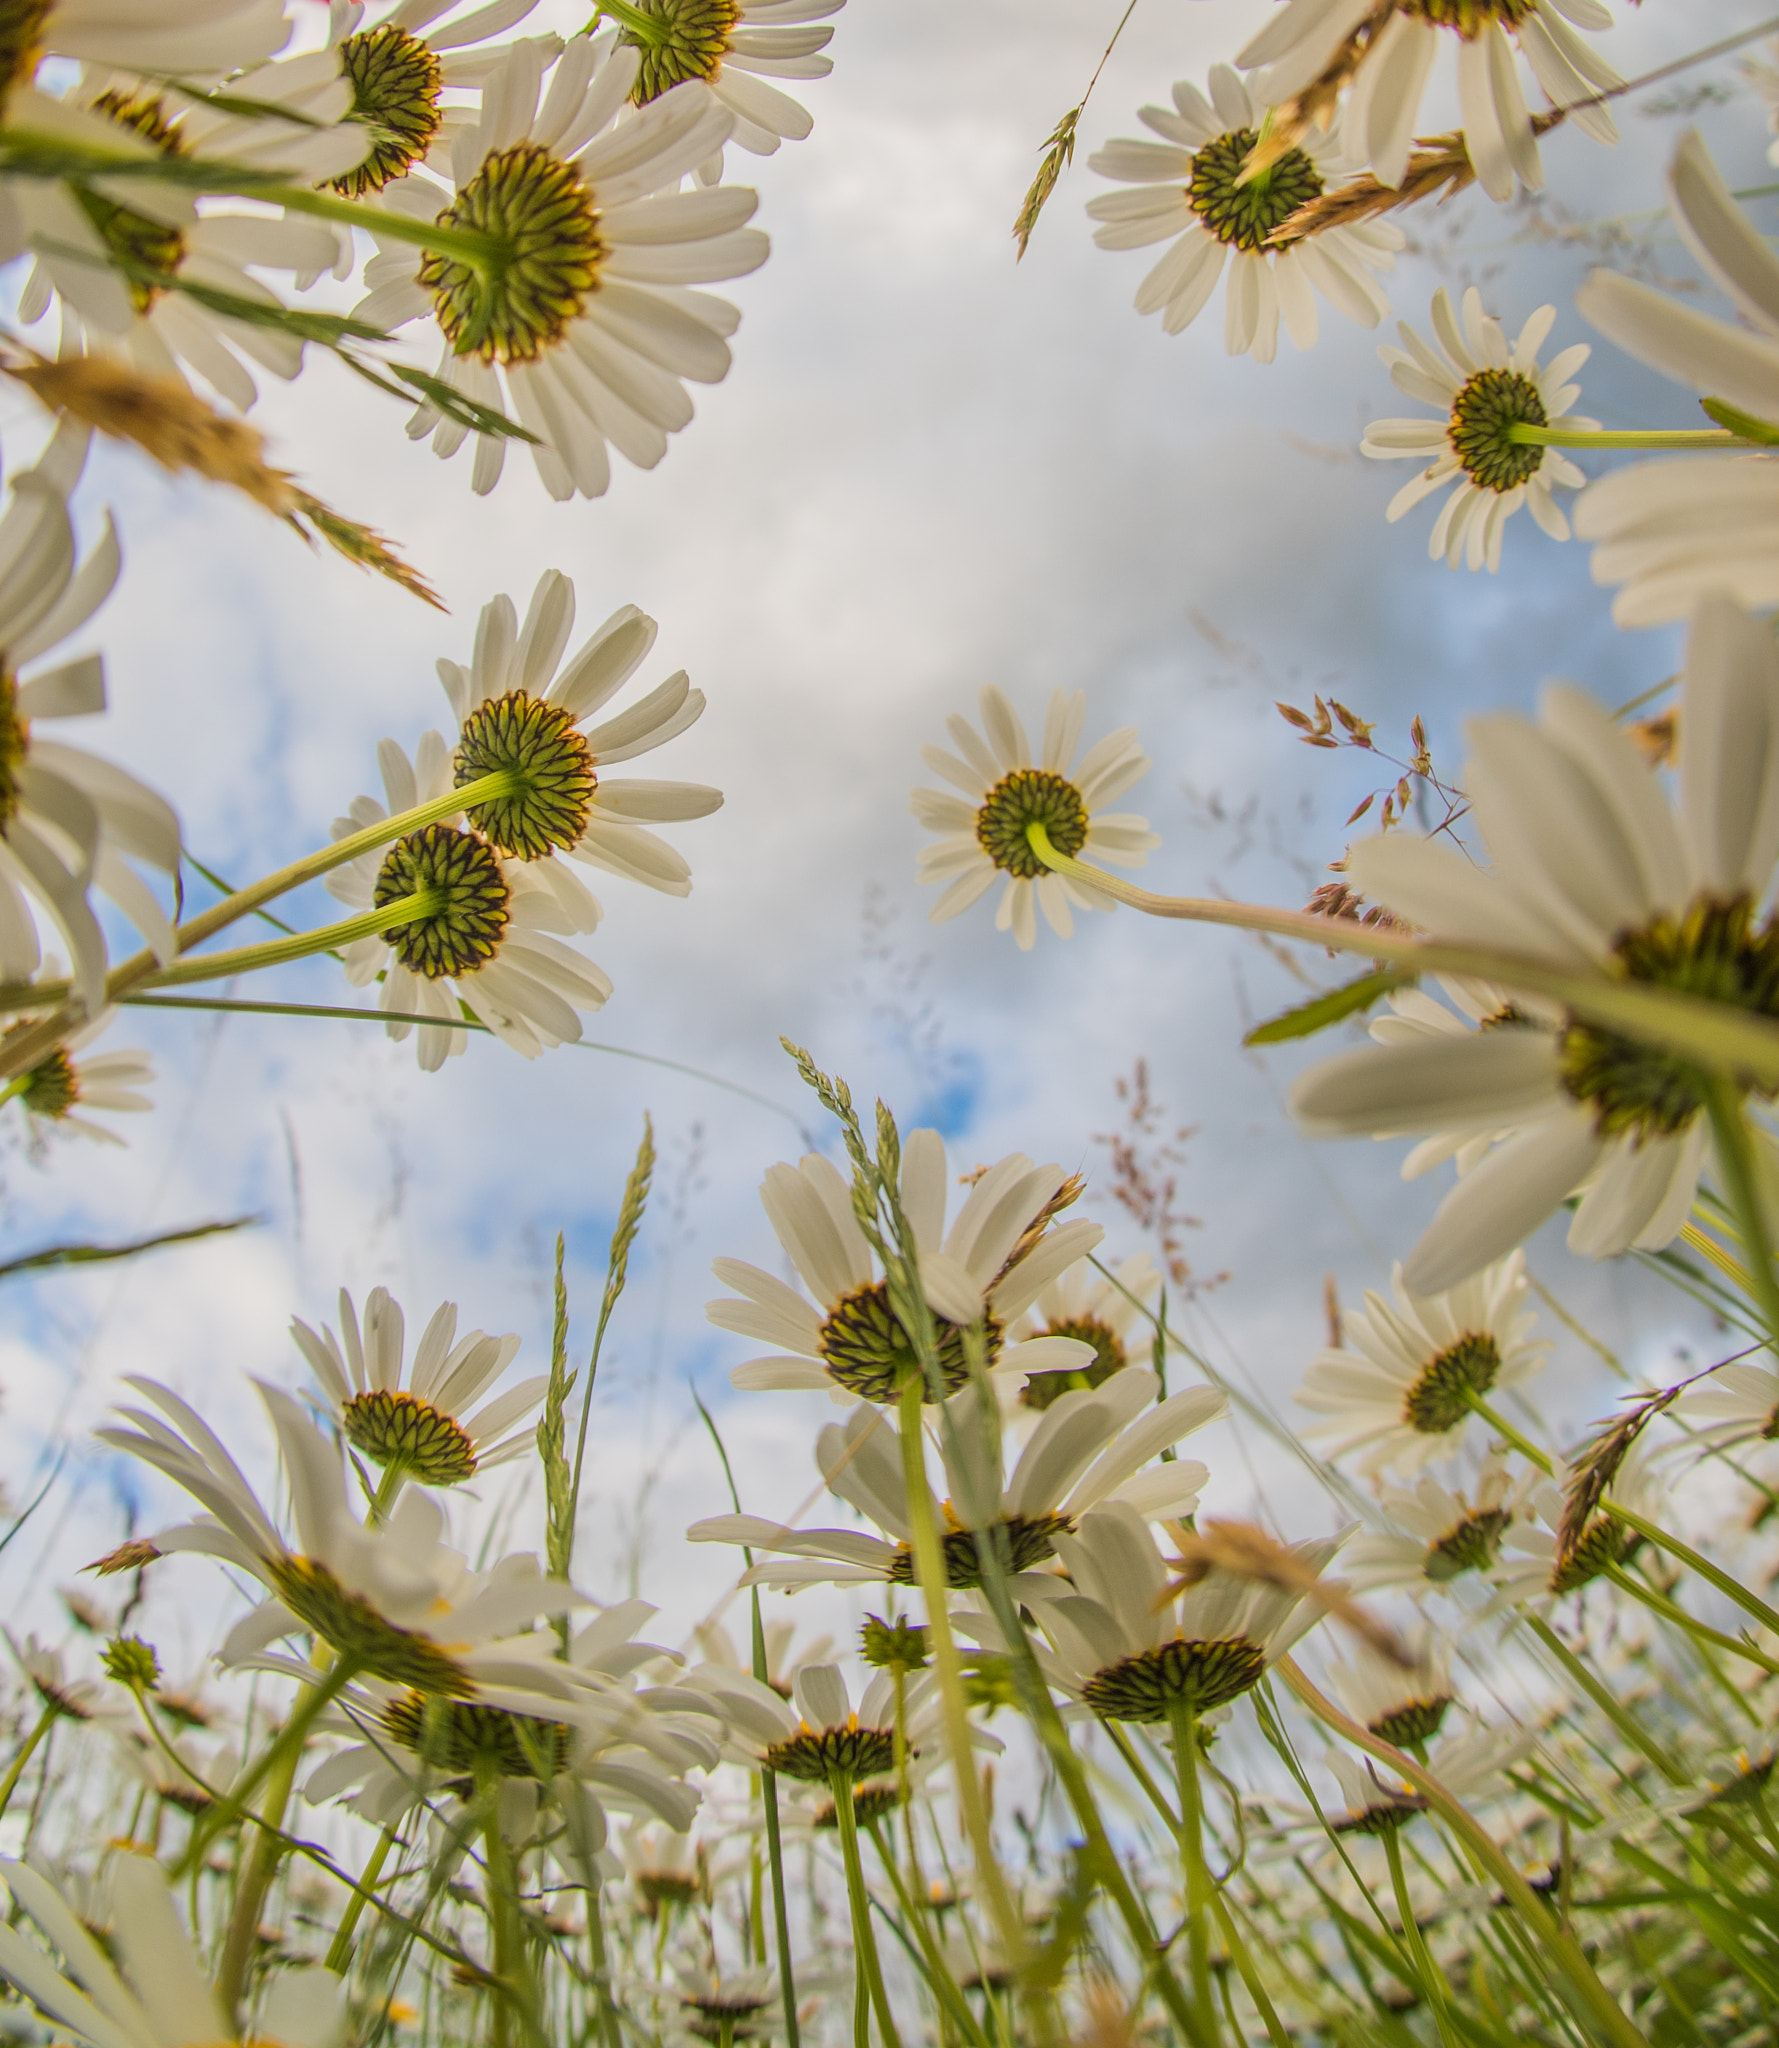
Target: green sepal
[(1762, 432)]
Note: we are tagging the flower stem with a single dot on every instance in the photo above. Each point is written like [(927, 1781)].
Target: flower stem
[(9, 1784), (646, 28), (1250, 1976), (1433, 1984), (1663, 437), (1183, 1723), (1741, 1184), (863, 1938), (1715, 1035), (339, 1954), (276, 952)]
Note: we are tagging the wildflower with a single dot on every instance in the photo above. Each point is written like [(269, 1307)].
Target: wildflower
[(1404, 1705), (1472, 1765), (138, 265), (163, 1996), (491, 949), (1673, 532), (1091, 1446), (1304, 38), (424, 1428), (1128, 1644), (59, 1084), (1440, 1535), (156, 37), (991, 1265), (735, 47), (518, 706), (1092, 1308), (1593, 869), (1535, 1570), (822, 1738), (1737, 1403), (392, 1601), (1400, 1387), (1483, 387), (713, 2005), (68, 821), (589, 333), (1190, 191), (60, 1692), (985, 831)]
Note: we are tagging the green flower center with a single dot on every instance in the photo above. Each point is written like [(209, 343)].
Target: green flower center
[(1604, 1543), (1715, 950), (52, 1087), (1021, 1541), (470, 1742), (15, 744), (1108, 1357), (1468, 17), (21, 30), (696, 37), (1198, 1675), (1030, 796), (1471, 1546), (350, 1625), (1490, 403), (1440, 1399), (898, 1645), (867, 1351), (397, 1429), (395, 93), (1417, 1721), (1245, 216), (145, 250), (812, 1754), (517, 305), (539, 741), (466, 933)]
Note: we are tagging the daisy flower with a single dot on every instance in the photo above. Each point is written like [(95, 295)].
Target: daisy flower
[(819, 1736), (424, 1430), (1402, 1704), (1483, 388), (1091, 1446), (1440, 1534), (1305, 37), (1592, 869), (1128, 1645), (50, 1092), (69, 822), (734, 47), (1186, 190), (664, 1867), (1473, 1766), (1736, 1404), (984, 832), (519, 705), (1399, 1389), (392, 1601), (399, 69), (132, 277), (62, 1694), (1532, 1573), (163, 1997), (492, 947), (1092, 1308), (991, 1265), (154, 37), (1672, 532), (588, 335)]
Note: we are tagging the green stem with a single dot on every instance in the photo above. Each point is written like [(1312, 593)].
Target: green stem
[(1662, 437), (387, 1488), (1249, 1974), (609, 2026), (1590, 1995), (652, 29), (929, 1573), (9, 1784), (1433, 1984), (1183, 1723), (276, 952), (863, 1937), (339, 1954), (1701, 1632), (1741, 1184), (1716, 1035)]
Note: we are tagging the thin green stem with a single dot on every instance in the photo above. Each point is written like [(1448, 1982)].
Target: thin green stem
[(1183, 1723), (1741, 1184), (9, 1784), (1654, 437), (1433, 1984), (652, 29), (277, 952), (863, 1936), (1717, 1035), (339, 1954), (609, 2027), (1250, 1975)]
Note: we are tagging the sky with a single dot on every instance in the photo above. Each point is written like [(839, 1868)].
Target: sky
[(930, 468)]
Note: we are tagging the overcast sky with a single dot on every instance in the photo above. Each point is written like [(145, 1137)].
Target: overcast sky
[(928, 469)]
